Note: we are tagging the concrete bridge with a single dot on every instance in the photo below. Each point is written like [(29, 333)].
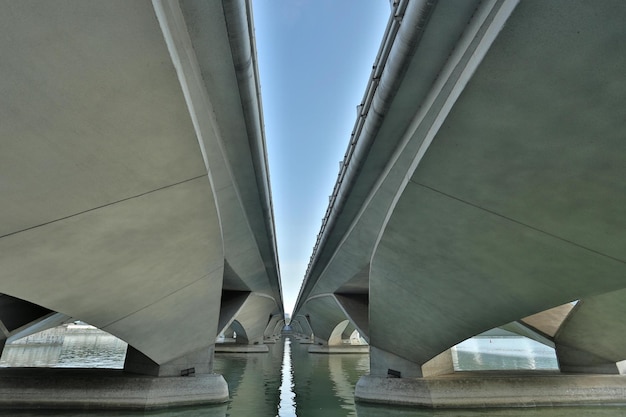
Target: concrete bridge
[(134, 180), (483, 187)]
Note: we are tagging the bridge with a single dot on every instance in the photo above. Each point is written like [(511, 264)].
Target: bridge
[(135, 185), (483, 187)]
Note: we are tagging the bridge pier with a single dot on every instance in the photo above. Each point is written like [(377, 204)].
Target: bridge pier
[(589, 380), (435, 384), (387, 364), (252, 317), (102, 389), (572, 360), (335, 343), (199, 362), (493, 389), (141, 385)]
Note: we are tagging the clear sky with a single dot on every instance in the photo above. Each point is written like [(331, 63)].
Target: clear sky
[(315, 59)]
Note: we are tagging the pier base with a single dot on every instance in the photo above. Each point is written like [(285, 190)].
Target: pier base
[(237, 348), (339, 349), (494, 389), (105, 389)]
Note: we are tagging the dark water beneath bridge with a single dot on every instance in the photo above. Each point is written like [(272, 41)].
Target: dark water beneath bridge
[(289, 382)]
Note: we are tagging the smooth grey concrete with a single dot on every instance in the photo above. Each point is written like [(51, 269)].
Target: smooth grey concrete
[(274, 327), (90, 389), (252, 317), (592, 338), (483, 187), (479, 232), (135, 174), (549, 321), (114, 222), (494, 390), (326, 319)]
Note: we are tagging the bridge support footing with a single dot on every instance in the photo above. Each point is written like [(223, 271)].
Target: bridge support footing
[(494, 389), (237, 348), (339, 349), (105, 389)]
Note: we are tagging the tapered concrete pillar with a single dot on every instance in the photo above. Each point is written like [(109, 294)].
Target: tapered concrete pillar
[(572, 360), (248, 314), (270, 330), (194, 363), (336, 336), (592, 338), (387, 364), (384, 363)]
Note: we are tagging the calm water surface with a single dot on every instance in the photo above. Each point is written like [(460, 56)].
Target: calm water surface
[(290, 382)]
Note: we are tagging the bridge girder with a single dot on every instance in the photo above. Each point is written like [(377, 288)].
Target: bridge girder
[(502, 197), (137, 187)]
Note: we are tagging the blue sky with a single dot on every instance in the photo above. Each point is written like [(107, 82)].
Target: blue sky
[(315, 58)]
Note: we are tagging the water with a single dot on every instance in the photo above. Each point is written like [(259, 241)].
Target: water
[(290, 382), (493, 353), (89, 349)]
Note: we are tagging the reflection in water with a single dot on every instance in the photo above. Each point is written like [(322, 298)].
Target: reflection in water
[(324, 384), (287, 406), (321, 385), (344, 370), (253, 381)]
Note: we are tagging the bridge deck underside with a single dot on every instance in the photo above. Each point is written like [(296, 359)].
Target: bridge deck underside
[(117, 208), (517, 206)]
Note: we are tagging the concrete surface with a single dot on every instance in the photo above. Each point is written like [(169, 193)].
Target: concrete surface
[(121, 123), (91, 389), (494, 389), (492, 189)]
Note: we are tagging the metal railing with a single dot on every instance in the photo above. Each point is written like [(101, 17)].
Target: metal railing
[(393, 25)]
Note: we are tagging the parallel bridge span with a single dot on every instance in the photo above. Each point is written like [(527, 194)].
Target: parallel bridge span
[(134, 178), (483, 187)]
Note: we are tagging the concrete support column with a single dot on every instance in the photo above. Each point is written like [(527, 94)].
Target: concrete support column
[(592, 337), (335, 338), (279, 328), (383, 364), (194, 363), (572, 360), (4, 334), (240, 333), (270, 330), (441, 364), (386, 364)]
